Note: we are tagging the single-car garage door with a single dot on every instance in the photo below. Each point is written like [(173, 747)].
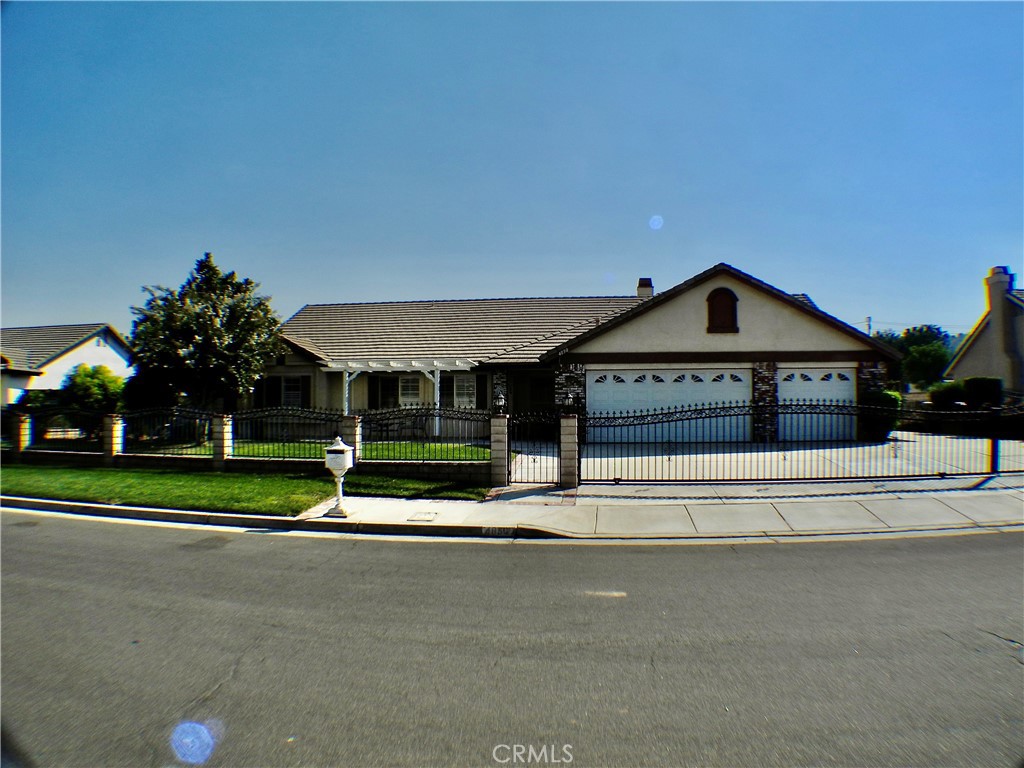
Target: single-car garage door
[(621, 391), (814, 387)]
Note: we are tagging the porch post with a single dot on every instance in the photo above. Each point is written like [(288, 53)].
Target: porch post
[(435, 379), (346, 390), (499, 450), (569, 453)]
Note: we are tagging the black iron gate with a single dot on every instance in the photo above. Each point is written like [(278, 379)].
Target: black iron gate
[(796, 440), (534, 448)]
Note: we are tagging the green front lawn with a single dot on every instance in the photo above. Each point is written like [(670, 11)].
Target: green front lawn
[(264, 494), (397, 451)]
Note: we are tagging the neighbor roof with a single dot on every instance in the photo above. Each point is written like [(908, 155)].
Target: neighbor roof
[(29, 349), (478, 330)]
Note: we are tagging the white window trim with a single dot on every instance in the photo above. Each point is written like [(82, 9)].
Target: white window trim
[(407, 399), (467, 384)]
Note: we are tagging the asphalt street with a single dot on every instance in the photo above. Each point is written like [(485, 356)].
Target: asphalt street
[(296, 650)]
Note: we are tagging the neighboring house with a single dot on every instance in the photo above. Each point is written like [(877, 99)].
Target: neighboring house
[(995, 346), (722, 336), (40, 357)]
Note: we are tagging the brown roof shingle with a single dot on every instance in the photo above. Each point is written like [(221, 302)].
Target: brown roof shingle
[(482, 330)]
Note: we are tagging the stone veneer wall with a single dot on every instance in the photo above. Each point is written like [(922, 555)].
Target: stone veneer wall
[(871, 377), (571, 379), (765, 398), (499, 383)]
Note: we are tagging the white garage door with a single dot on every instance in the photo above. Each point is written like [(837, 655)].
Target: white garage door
[(816, 386), (639, 390)]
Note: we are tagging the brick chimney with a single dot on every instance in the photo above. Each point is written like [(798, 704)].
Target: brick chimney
[(644, 288)]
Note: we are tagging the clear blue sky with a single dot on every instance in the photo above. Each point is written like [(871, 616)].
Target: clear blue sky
[(869, 154)]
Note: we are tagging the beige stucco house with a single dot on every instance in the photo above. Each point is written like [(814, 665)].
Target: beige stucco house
[(39, 357), (721, 336), (995, 346)]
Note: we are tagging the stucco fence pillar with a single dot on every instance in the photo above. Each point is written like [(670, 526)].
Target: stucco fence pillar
[(499, 451), (352, 434), (22, 437), (569, 453), (112, 438), (223, 440)]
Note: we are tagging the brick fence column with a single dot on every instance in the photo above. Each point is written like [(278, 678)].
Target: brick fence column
[(871, 377), (223, 441), (765, 400), (499, 450), (569, 455), (112, 438), (352, 434)]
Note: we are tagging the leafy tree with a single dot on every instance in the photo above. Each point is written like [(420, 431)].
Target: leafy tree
[(924, 364), (36, 399), (92, 389), (925, 351), (921, 335), (210, 339), (149, 390)]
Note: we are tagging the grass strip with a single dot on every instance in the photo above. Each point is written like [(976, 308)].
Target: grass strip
[(261, 494)]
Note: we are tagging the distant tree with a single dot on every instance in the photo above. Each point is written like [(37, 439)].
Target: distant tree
[(36, 399), (925, 363), (211, 339), (920, 335), (890, 337), (92, 389)]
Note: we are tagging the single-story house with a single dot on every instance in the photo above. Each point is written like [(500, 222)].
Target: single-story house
[(721, 336), (40, 357), (995, 346)]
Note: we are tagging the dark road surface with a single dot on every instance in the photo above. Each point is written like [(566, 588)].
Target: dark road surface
[(333, 652)]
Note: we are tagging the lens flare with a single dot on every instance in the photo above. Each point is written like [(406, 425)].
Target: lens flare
[(192, 743), (656, 222)]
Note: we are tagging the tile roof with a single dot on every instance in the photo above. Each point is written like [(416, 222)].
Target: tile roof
[(33, 347), (482, 330), (803, 298)]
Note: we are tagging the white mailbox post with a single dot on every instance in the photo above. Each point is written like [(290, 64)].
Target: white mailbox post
[(339, 461)]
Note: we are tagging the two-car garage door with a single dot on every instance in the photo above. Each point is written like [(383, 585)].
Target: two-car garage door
[(800, 393), (806, 395), (620, 391)]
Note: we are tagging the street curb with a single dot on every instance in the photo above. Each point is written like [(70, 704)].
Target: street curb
[(316, 524), (517, 531)]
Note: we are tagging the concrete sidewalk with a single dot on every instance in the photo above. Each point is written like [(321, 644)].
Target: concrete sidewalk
[(650, 512)]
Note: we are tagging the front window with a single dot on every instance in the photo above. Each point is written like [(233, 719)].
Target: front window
[(291, 395), (463, 390), (409, 391), (286, 391)]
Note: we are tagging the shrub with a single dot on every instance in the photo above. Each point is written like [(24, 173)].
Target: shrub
[(946, 395), (983, 392), (880, 414)]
